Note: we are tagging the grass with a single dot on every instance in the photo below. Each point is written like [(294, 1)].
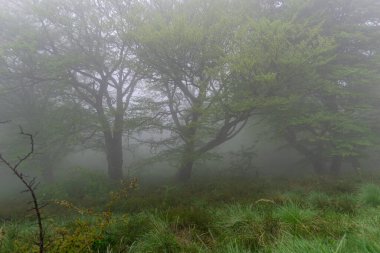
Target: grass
[(228, 216), (369, 194)]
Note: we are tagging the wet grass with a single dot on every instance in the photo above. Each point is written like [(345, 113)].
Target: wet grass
[(227, 216)]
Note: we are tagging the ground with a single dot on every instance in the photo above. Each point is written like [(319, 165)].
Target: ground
[(209, 215)]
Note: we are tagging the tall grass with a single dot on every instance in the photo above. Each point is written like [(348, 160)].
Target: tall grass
[(291, 222), (369, 194)]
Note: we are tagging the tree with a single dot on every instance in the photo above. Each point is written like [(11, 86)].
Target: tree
[(60, 123), (85, 45), (184, 47), (322, 77)]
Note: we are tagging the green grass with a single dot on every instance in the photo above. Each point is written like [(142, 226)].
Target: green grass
[(263, 217), (369, 194)]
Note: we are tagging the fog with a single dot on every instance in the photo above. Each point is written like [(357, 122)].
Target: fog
[(233, 100), (104, 94)]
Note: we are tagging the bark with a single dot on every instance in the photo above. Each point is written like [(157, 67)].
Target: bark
[(113, 137), (114, 153), (187, 163), (185, 171), (189, 153)]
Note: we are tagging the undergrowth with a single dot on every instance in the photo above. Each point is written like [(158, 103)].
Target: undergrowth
[(297, 217)]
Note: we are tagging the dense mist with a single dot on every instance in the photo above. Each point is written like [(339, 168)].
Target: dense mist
[(217, 125)]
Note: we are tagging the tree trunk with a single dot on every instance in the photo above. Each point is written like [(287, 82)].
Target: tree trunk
[(184, 172), (187, 162), (114, 152)]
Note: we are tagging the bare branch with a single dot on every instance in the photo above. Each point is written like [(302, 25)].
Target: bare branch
[(30, 187)]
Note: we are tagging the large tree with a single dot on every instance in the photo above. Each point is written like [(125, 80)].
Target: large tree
[(185, 48), (85, 45), (325, 69)]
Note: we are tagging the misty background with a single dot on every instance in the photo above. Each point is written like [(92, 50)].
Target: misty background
[(171, 90)]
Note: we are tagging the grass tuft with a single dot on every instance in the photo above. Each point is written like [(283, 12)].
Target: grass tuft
[(369, 194)]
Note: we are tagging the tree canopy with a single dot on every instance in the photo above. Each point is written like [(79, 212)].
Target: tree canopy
[(197, 70)]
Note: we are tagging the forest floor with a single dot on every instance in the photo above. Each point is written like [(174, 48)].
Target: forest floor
[(88, 214)]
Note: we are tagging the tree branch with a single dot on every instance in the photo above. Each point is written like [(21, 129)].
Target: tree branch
[(30, 186)]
